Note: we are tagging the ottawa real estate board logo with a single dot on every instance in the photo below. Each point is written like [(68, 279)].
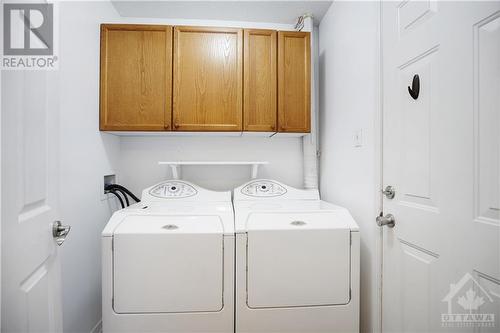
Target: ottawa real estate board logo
[(469, 304), (29, 33)]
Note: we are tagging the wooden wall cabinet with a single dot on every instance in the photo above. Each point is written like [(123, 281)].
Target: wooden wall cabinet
[(208, 79), (260, 75), (294, 82), (159, 78), (136, 79)]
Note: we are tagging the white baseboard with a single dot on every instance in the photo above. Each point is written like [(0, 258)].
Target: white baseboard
[(97, 328)]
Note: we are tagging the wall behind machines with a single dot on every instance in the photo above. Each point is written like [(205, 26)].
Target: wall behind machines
[(349, 104), (139, 156), (86, 155)]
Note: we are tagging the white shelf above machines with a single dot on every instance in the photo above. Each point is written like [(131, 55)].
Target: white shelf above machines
[(176, 166)]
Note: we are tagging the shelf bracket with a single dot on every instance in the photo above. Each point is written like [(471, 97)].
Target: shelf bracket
[(176, 171), (255, 170)]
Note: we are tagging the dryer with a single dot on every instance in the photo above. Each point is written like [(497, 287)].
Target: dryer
[(168, 262), (297, 261)]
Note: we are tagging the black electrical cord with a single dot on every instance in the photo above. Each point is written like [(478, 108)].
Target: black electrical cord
[(116, 194), (122, 189), (124, 195), (109, 188)]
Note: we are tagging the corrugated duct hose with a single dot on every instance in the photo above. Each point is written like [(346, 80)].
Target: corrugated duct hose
[(115, 189)]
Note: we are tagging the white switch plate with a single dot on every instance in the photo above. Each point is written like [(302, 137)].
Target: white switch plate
[(358, 138)]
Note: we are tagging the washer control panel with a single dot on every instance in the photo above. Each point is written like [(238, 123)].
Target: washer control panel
[(263, 188), (173, 189)]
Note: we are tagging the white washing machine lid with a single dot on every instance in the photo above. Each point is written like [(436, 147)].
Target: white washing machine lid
[(280, 215), (168, 264), (170, 224), (131, 219)]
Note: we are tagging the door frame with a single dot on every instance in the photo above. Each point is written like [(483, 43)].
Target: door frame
[(379, 171), (1, 199)]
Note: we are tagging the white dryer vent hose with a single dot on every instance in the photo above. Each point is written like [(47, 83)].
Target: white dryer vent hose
[(310, 141)]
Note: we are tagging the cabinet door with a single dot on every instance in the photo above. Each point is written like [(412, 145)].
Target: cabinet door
[(260, 99), (136, 80), (294, 82), (207, 79)]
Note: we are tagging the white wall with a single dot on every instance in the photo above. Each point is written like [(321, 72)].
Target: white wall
[(139, 158), (349, 102), (86, 155)]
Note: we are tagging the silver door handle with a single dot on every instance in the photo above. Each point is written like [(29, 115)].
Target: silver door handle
[(59, 232), (387, 220)]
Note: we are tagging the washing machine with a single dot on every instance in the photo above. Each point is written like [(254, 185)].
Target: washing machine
[(168, 262), (297, 261)]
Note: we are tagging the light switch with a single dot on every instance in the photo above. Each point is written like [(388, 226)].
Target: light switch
[(358, 138)]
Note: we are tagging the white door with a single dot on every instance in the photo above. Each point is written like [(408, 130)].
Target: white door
[(441, 154), (31, 296)]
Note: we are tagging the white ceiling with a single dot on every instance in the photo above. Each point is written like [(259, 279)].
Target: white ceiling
[(284, 12)]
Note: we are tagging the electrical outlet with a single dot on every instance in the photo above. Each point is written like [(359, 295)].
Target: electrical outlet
[(108, 179)]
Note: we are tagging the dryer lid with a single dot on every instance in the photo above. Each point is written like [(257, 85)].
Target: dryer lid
[(299, 265), (299, 220)]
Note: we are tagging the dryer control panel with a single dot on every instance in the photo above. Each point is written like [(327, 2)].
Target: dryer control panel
[(173, 189), (263, 188)]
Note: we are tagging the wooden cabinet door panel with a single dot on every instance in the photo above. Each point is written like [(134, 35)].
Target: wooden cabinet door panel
[(207, 79), (136, 80), (260, 77), (294, 82)]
